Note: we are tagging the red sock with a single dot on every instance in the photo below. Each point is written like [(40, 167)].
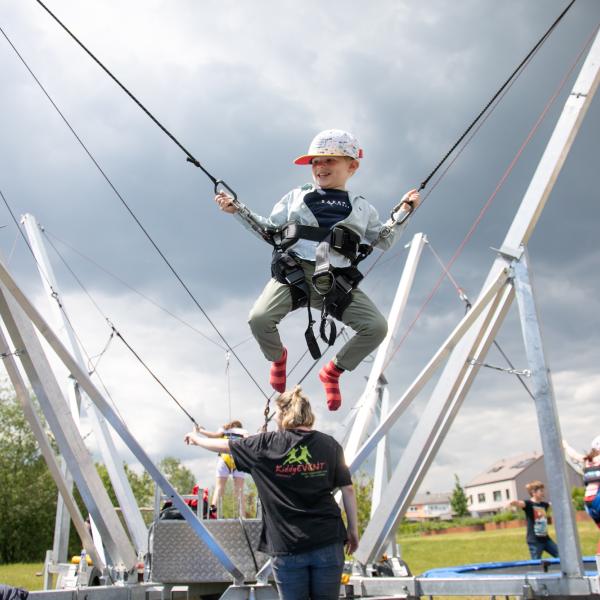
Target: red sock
[(278, 367), (330, 375)]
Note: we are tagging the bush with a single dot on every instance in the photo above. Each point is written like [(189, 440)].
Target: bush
[(505, 515), (577, 496)]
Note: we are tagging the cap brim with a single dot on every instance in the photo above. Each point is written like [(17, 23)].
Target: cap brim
[(305, 160)]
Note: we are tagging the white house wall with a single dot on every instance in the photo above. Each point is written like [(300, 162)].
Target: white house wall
[(515, 487)]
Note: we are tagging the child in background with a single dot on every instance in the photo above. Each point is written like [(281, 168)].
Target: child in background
[(226, 467), (536, 513)]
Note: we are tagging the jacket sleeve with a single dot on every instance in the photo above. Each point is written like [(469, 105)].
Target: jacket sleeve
[(375, 225), (277, 218)]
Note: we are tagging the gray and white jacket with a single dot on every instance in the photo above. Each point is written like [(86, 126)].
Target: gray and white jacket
[(362, 220)]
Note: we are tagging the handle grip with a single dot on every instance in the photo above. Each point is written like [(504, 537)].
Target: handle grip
[(222, 188)]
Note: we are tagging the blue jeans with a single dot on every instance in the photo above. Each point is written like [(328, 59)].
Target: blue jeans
[(593, 509), (538, 546), (315, 574)]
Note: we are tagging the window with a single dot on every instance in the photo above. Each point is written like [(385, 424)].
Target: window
[(507, 492), (470, 499), (480, 498), (498, 496), (496, 469)]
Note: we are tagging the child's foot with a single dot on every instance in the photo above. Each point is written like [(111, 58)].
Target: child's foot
[(278, 375), (212, 512), (330, 375)]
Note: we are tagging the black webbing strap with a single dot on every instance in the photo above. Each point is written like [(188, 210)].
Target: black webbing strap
[(295, 279), (328, 339), (311, 340), (306, 232)]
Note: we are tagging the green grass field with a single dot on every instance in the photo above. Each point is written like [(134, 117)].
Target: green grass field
[(420, 553), (22, 575), (429, 552)]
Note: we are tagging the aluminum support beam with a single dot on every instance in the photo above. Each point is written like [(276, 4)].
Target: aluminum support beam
[(64, 486), (548, 423), (428, 371), (112, 461), (382, 471), (369, 398), (428, 436), (60, 420), (455, 378), (119, 427), (530, 585)]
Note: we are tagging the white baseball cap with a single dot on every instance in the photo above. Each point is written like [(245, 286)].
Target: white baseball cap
[(596, 443), (331, 142)]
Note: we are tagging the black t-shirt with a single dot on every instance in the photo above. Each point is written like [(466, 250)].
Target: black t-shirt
[(328, 206), (537, 520), (295, 473)]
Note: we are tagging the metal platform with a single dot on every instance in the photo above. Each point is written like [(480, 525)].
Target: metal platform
[(179, 556)]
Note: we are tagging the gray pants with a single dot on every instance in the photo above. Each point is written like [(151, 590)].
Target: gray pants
[(361, 315)]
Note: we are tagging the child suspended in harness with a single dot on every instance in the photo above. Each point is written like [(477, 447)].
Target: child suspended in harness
[(226, 467), (318, 231)]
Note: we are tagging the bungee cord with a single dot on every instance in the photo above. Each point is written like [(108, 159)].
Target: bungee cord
[(51, 236), (497, 94), (495, 192), (135, 218), (116, 333), (189, 155)]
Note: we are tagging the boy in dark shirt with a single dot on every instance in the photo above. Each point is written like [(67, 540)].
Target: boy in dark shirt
[(536, 512)]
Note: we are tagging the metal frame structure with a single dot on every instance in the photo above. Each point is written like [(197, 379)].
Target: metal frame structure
[(463, 350)]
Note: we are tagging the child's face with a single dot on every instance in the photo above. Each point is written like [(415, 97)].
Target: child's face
[(332, 172), (538, 495)]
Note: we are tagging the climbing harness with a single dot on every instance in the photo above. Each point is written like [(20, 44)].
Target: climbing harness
[(334, 285)]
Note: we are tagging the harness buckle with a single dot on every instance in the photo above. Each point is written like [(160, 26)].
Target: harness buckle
[(323, 282)]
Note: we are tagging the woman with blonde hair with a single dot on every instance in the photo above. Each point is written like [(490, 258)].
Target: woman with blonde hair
[(296, 469)]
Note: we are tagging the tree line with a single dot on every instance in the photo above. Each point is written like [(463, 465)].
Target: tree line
[(28, 494)]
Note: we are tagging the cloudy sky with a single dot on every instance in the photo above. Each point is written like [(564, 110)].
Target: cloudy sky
[(244, 87)]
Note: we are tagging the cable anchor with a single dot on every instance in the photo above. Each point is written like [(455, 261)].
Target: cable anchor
[(522, 373), (18, 352)]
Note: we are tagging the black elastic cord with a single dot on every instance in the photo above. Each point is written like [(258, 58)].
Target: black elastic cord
[(133, 215), (189, 155), (116, 332), (512, 76)]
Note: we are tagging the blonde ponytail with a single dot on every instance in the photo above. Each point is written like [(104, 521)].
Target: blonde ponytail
[(295, 409)]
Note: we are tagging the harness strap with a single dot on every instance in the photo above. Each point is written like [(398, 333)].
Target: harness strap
[(285, 269)]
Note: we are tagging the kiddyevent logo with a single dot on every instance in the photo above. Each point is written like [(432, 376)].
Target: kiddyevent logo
[(299, 461)]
